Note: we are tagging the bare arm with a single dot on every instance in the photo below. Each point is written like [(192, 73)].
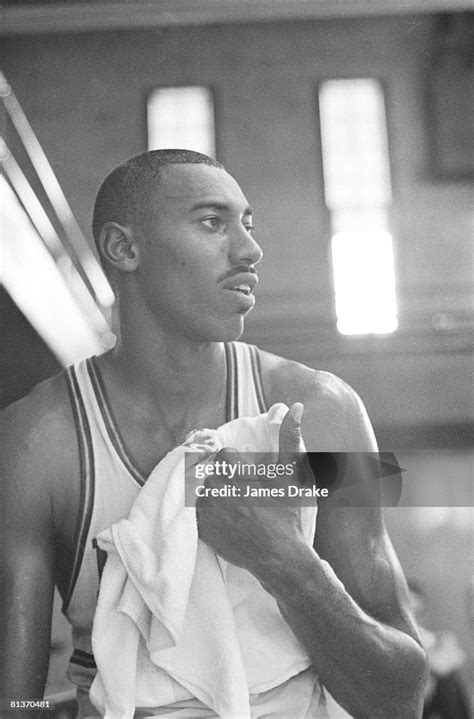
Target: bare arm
[(350, 616), (26, 597), (31, 436), (368, 658)]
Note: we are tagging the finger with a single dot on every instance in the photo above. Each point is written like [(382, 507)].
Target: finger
[(194, 457), (290, 431), (210, 457), (222, 465), (227, 454)]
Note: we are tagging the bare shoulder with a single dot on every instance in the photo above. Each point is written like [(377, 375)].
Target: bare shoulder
[(288, 381), (37, 435), (334, 419)]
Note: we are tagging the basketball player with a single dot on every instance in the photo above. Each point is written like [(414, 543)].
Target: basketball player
[(174, 232)]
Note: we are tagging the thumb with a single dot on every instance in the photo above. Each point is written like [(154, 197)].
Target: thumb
[(290, 430)]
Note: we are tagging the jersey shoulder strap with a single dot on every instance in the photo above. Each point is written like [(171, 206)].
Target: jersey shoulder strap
[(245, 396)]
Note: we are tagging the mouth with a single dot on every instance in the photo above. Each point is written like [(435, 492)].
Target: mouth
[(241, 289), (242, 283)]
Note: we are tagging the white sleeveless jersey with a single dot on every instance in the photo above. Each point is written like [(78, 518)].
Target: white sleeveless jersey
[(110, 483)]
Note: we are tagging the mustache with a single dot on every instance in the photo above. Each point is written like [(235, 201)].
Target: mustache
[(237, 271)]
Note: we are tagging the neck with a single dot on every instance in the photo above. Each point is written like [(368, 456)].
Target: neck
[(164, 361)]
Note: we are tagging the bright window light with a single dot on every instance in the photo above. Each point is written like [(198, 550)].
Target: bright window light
[(36, 285), (355, 149), (181, 117), (365, 282), (358, 193)]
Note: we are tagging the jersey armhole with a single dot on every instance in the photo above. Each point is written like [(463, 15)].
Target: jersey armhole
[(87, 479), (256, 366)]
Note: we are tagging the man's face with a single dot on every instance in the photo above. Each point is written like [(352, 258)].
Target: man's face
[(197, 254)]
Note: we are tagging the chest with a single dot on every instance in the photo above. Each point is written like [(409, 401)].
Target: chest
[(148, 436), (121, 439), (119, 446)]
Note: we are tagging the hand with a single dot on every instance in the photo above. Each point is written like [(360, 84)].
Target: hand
[(237, 528)]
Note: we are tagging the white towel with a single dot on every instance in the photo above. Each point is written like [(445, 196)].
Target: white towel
[(170, 610)]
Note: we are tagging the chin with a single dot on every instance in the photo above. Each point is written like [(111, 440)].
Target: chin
[(203, 329), (227, 331)]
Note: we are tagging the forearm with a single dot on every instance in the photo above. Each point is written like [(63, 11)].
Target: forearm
[(25, 638), (22, 673), (372, 669)]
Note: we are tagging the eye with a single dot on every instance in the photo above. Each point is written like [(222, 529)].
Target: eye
[(249, 227), (213, 222)]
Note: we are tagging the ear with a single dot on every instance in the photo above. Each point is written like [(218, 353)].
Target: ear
[(118, 246)]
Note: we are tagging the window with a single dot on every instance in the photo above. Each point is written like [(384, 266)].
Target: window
[(181, 117), (358, 193)]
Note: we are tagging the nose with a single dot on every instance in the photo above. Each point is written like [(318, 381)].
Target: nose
[(243, 248)]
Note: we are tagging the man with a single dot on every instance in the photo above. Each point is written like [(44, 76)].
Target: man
[(174, 232)]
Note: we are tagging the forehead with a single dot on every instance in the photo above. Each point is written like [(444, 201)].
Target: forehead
[(181, 187)]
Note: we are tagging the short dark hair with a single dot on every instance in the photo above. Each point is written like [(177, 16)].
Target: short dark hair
[(125, 193)]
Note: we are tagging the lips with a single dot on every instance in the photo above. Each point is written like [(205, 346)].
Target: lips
[(241, 282), (244, 289)]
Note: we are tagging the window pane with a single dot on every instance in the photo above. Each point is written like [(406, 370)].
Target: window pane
[(354, 142), (358, 192), (181, 117), (365, 282)]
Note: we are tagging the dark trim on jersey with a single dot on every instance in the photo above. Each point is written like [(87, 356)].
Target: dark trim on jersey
[(231, 388), (228, 384), (87, 478), (84, 659), (101, 557), (257, 378), (111, 426)]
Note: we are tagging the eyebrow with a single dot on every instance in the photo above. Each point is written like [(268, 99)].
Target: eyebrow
[(221, 206)]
